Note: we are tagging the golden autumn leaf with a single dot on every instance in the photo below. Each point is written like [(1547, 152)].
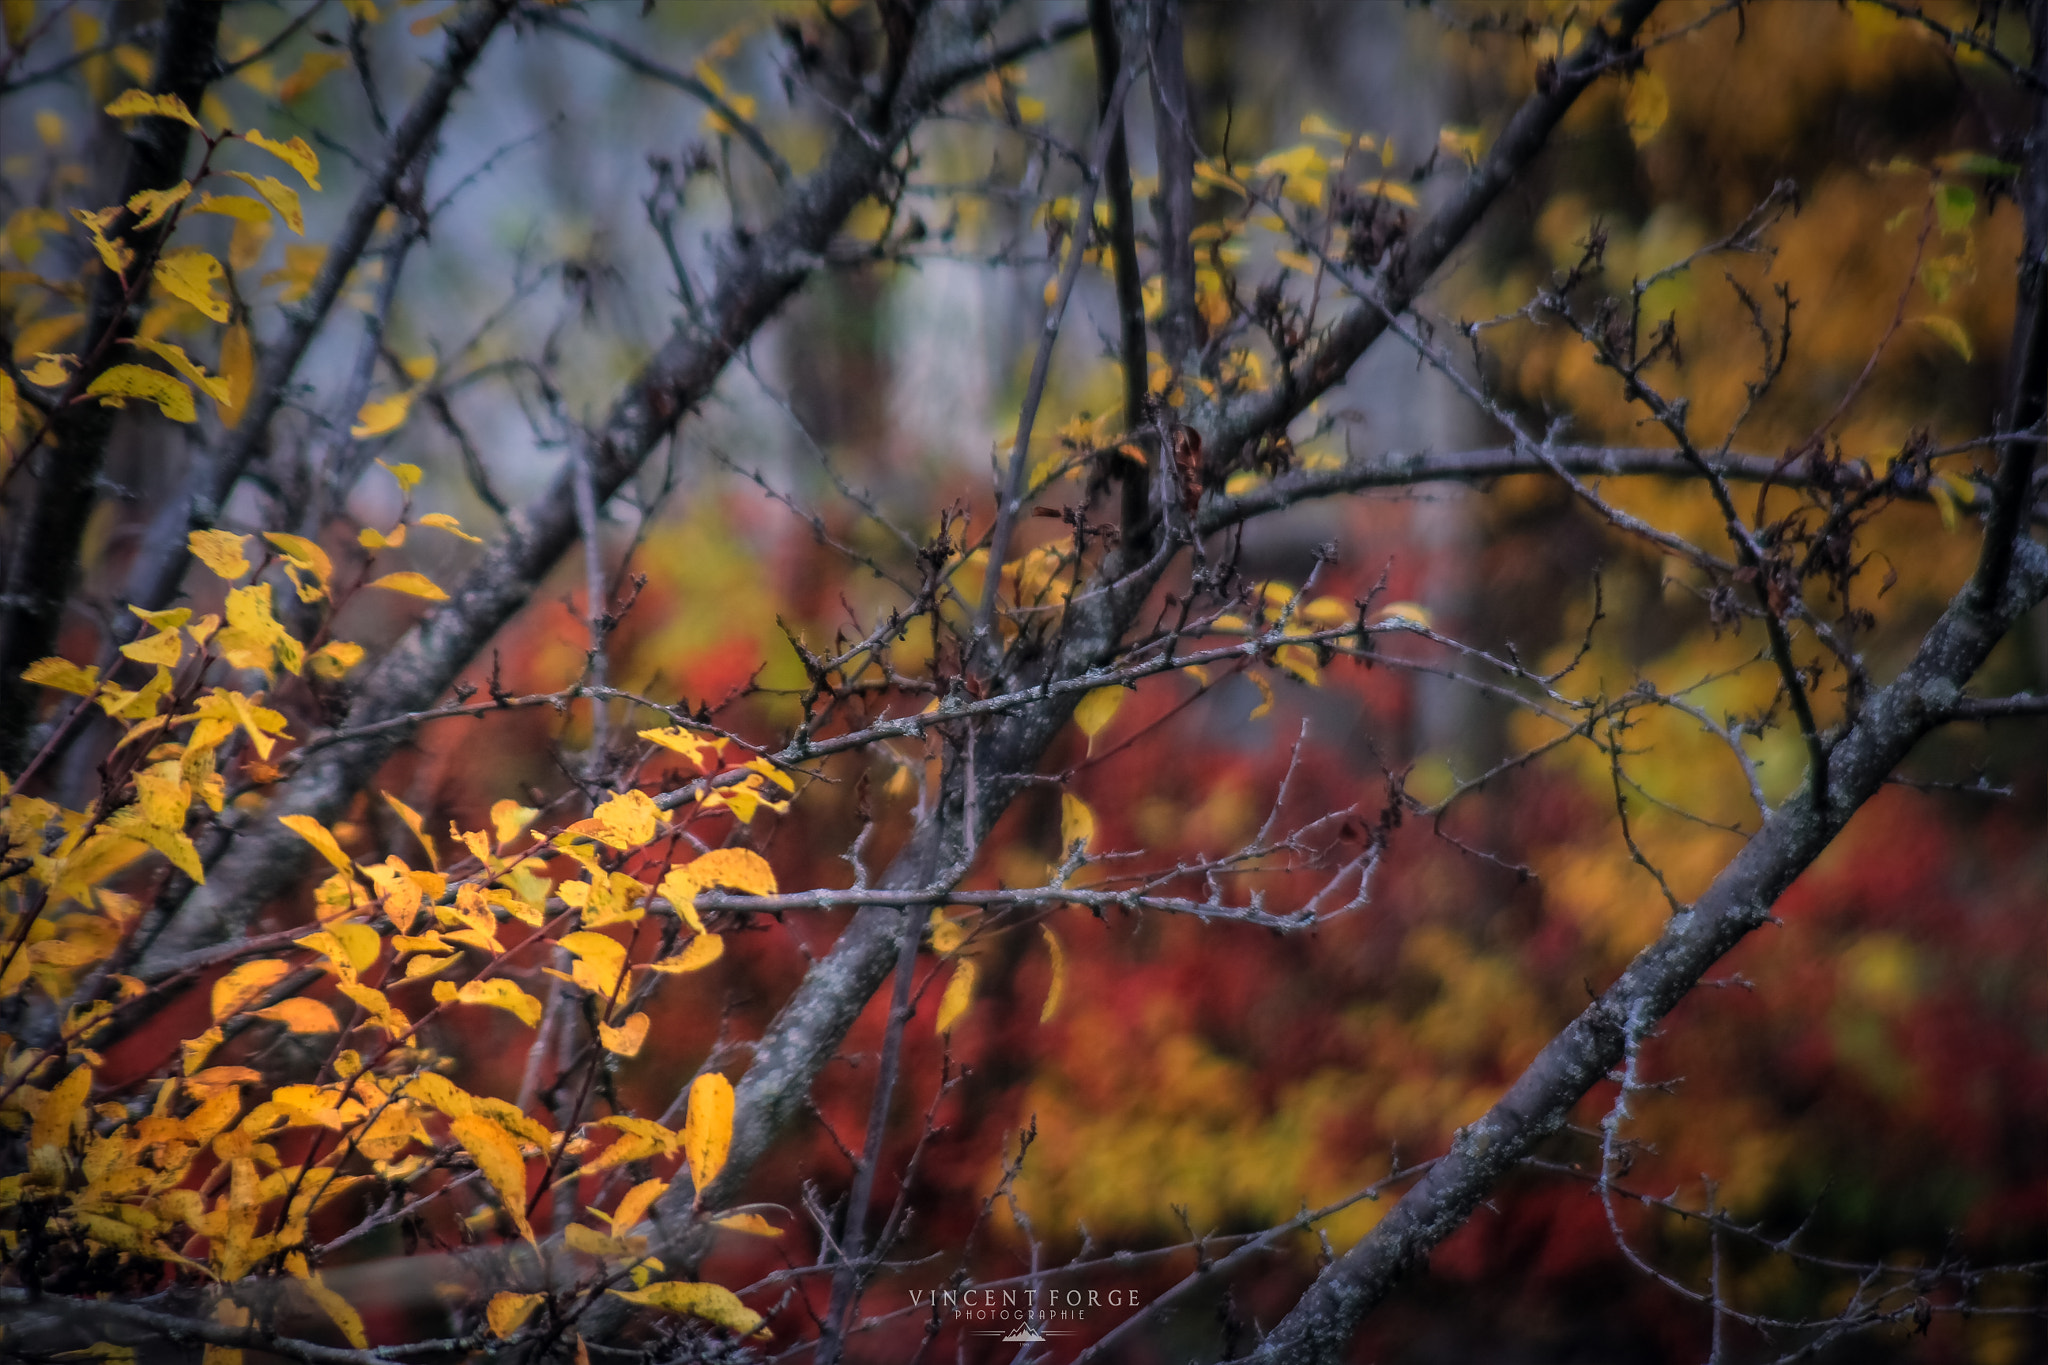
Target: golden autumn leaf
[(713, 1303), (591, 1242), (627, 1039), (301, 265), (496, 1153), (245, 983), (63, 675), (190, 274), (496, 992), (316, 66), (223, 552), (316, 834), (441, 521), (959, 995), (751, 1223), (239, 207), (635, 1203), (408, 476), (281, 197), (507, 1313), (238, 372), (1077, 823), (628, 819), (338, 1309), (300, 1015), (119, 383), (381, 415), (1056, 952), (1647, 107), (213, 386), (947, 934), (334, 659), (508, 818), (1266, 694), (150, 206), (1095, 711), (707, 1131), (701, 951), (293, 152), (742, 869), (141, 104), (412, 584)]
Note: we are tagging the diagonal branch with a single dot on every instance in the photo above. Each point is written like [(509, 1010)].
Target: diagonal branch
[(2010, 580), (160, 565), (767, 267), (1430, 246)]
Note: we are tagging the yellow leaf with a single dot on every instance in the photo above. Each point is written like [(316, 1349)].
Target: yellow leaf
[(338, 1309), (628, 819), (506, 1313), (293, 152), (335, 658), (372, 539), (301, 264), (166, 648), (627, 1038), (496, 1153), (1058, 953), (238, 372), (49, 371), (1393, 191), (742, 869), (408, 476), (633, 1207), (1265, 691), (10, 413), (508, 818), (1077, 823), (140, 103), (63, 675), (600, 960), (316, 66), (1096, 709), (190, 274), (280, 196), (17, 16), (1950, 331), (1300, 159), (381, 415), (591, 1242), (702, 951), (300, 1015), (678, 740), (414, 823), (947, 934), (244, 984), (752, 1223), (415, 584), (1647, 107), (959, 995), (707, 1132), (119, 383), (316, 834), (213, 386), (239, 207), (713, 1303), (441, 521), (60, 1111), (497, 992), (419, 369), (220, 551), (151, 205), (304, 554)]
